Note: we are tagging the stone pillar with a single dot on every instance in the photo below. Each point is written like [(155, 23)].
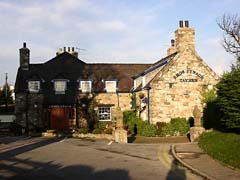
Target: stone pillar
[(197, 130), (120, 134)]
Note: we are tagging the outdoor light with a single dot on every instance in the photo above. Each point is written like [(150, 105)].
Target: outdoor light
[(35, 105)]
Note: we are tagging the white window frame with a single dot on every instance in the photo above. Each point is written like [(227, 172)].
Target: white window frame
[(84, 90), (111, 90), (60, 91), (33, 89), (105, 111)]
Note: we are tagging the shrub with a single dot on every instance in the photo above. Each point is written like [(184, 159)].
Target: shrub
[(108, 131), (102, 125), (135, 123), (160, 126), (97, 131), (177, 126), (83, 130), (180, 126)]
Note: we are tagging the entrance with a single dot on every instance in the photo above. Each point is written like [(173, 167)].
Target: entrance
[(59, 118)]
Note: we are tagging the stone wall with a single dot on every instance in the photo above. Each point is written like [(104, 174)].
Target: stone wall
[(29, 107), (178, 87)]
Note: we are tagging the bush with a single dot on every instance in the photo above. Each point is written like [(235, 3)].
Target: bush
[(83, 130), (177, 126), (102, 125), (108, 131), (133, 122), (97, 131)]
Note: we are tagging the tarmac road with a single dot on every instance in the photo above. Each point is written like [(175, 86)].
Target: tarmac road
[(41, 158)]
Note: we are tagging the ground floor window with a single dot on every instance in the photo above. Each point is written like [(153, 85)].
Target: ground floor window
[(104, 113)]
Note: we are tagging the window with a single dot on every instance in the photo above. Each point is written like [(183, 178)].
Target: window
[(104, 113), (60, 87), (85, 86), (110, 86), (33, 86)]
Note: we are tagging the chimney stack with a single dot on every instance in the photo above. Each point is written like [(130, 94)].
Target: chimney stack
[(181, 24), (69, 50), (184, 36), (24, 53), (172, 48)]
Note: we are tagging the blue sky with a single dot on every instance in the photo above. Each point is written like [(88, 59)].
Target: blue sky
[(114, 31)]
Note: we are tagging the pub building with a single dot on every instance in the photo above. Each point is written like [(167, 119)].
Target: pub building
[(50, 95)]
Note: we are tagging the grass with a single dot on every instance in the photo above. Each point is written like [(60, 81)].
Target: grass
[(222, 146)]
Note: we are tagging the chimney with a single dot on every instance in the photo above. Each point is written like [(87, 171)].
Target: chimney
[(172, 48), (184, 36), (24, 53), (69, 50), (180, 24)]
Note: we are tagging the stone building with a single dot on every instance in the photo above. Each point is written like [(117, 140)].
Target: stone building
[(171, 87), (60, 93)]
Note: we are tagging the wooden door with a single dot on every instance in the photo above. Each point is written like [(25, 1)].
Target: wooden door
[(59, 119)]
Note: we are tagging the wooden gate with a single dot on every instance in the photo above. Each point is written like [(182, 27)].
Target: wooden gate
[(59, 118)]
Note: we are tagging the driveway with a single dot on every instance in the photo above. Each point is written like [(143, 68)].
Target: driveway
[(57, 158)]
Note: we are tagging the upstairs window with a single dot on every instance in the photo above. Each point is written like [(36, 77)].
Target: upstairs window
[(85, 86), (110, 86), (34, 86), (60, 86), (104, 113)]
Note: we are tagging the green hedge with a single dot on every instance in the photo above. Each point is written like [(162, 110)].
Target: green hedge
[(177, 126), (133, 122)]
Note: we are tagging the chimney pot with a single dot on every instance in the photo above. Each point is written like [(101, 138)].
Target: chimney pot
[(64, 49), (72, 49), (172, 42), (68, 49), (186, 24), (180, 24), (24, 45)]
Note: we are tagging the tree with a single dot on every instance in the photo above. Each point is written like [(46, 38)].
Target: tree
[(6, 96), (228, 99), (230, 24)]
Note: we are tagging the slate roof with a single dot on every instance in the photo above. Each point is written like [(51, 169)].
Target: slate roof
[(66, 66)]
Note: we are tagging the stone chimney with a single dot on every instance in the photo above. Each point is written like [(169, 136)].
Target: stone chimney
[(172, 49), (184, 36), (24, 57), (69, 50)]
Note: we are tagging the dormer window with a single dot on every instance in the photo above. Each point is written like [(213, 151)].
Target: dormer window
[(85, 86), (60, 86), (34, 86), (110, 86)]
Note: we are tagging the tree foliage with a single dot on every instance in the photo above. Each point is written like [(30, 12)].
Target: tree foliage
[(228, 98), (6, 95), (230, 24)]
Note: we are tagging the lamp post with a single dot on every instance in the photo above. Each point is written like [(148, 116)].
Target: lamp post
[(148, 88)]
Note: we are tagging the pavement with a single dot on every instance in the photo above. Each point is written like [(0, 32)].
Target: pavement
[(192, 157)]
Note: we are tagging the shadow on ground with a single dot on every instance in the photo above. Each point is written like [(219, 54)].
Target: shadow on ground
[(24, 169), (15, 168)]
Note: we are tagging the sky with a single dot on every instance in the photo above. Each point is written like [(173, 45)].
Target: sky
[(109, 31)]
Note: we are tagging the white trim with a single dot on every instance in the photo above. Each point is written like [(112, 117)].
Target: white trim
[(107, 113), (111, 90), (33, 90), (90, 86)]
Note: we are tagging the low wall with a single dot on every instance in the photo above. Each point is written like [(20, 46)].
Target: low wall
[(97, 136)]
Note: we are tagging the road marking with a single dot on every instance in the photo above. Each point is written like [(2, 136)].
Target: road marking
[(164, 158)]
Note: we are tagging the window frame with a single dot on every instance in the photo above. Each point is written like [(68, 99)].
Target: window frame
[(113, 81), (90, 86), (109, 113), (57, 81), (34, 90)]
